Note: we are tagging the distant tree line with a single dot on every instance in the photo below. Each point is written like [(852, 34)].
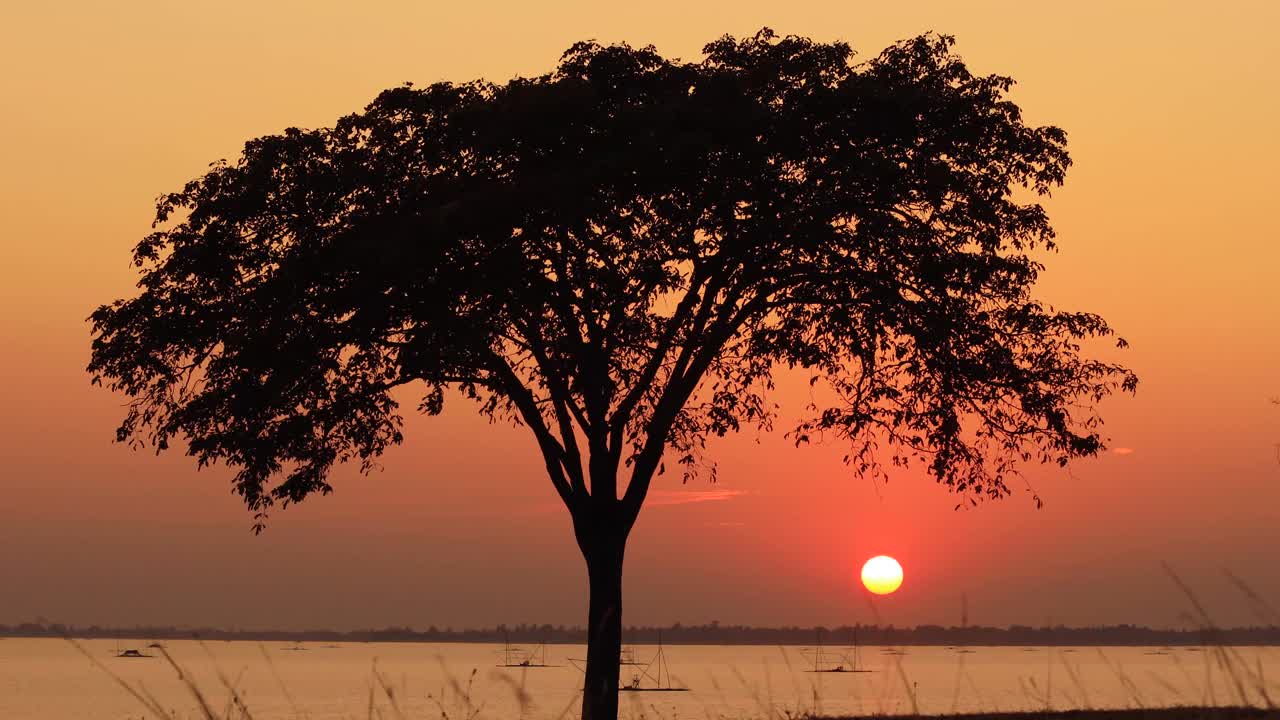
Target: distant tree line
[(709, 634)]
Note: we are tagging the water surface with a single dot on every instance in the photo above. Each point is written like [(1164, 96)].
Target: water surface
[(50, 680)]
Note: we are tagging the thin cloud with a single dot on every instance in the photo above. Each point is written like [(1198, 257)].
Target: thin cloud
[(657, 498), (1122, 451), (688, 497)]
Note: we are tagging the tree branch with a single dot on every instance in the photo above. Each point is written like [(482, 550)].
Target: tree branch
[(553, 454), (677, 392)]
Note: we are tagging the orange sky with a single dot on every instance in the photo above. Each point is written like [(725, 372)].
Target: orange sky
[(1167, 227)]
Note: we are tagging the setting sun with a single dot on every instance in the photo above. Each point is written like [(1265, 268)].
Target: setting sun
[(882, 575)]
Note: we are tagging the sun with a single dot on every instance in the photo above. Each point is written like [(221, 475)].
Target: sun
[(882, 575)]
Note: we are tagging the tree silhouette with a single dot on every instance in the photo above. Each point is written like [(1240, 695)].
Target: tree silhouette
[(619, 255)]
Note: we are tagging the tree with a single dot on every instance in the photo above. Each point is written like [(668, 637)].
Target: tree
[(619, 255)]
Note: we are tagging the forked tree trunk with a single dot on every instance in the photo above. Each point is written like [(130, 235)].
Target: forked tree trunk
[(604, 626)]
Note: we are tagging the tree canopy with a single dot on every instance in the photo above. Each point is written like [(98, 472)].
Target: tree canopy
[(620, 254)]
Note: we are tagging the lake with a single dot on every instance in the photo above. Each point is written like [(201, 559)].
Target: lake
[(51, 680)]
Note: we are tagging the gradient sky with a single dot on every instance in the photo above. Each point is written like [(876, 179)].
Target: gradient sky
[(1167, 225)]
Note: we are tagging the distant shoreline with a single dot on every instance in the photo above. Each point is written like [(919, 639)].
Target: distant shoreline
[(713, 634)]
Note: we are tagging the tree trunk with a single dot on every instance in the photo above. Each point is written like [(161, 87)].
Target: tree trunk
[(604, 627)]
